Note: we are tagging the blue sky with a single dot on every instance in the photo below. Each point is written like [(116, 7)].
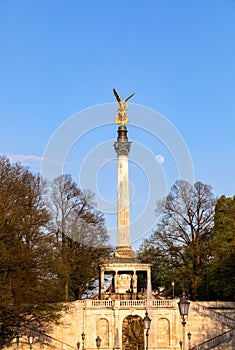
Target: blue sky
[(61, 57)]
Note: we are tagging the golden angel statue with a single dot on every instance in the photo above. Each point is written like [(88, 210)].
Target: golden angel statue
[(121, 117)]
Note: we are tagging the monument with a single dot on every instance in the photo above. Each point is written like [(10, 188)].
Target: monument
[(122, 148), (128, 294), (104, 320), (124, 268)]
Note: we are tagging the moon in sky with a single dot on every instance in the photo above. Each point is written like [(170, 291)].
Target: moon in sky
[(160, 159)]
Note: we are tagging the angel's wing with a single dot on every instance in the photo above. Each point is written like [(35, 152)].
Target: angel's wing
[(116, 95), (129, 97)]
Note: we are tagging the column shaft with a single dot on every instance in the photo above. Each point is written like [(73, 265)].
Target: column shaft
[(123, 202)]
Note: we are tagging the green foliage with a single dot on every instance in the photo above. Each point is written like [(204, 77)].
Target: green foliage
[(149, 253), (183, 237), (81, 236), (25, 253), (194, 244), (222, 265), (50, 246)]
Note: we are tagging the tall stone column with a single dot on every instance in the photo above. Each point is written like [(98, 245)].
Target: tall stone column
[(122, 148)]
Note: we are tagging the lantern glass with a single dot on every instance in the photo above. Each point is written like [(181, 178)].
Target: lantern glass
[(30, 339), (146, 321), (183, 305)]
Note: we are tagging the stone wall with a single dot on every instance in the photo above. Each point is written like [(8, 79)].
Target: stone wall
[(166, 327), (105, 318)]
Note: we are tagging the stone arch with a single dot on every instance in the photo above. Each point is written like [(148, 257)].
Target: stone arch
[(132, 333), (102, 330), (163, 332)]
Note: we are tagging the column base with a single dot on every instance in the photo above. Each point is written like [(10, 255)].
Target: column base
[(124, 252)]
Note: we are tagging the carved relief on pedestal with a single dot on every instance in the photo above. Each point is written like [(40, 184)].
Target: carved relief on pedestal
[(124, 283)]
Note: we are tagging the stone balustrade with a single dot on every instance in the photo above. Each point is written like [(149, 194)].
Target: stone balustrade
[(138, 304)]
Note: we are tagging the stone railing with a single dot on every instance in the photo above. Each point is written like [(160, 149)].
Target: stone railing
[(131, 303), (164, 303), (204, 310), (213, 342), (98, 303), (142, 303), (55, 343), (41, 338)]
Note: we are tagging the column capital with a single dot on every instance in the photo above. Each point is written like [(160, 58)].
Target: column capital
[(122, 148)]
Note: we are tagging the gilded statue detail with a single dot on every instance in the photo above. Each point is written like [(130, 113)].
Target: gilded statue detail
[(121, 117)]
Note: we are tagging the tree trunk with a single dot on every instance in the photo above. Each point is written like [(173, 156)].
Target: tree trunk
[(66, 291)]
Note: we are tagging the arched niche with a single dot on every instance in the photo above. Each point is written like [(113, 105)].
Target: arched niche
[(163, 332), (102, 330)]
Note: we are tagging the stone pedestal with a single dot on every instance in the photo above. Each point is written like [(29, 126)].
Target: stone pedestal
[(124, 253)]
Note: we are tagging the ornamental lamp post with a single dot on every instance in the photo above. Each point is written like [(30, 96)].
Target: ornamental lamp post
[(183, 305), (147, 323), (189, 338), (83, 339), (30, 341), (98, 342)]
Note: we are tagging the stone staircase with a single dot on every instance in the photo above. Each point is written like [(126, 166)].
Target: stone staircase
[(40, 338), (225, 337), (215, 341), (206, 311)]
